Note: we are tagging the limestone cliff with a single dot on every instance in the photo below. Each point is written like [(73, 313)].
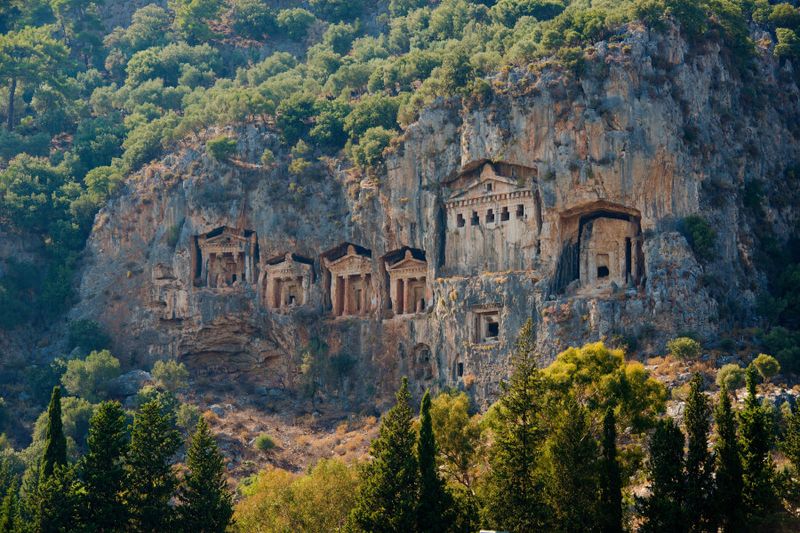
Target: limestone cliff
[(551, 197)]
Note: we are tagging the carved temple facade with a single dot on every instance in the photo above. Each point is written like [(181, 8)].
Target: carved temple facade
[(407, 270), (225, 257)]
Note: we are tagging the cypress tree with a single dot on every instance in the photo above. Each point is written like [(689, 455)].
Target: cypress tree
[(699, 462), (755, 442), (55, 443), (728, 466), (515, 497), (205, 501), (387, 499), (572, 466), (9, 510), (435, 503), (610, 478), (662, 510), (150, 481), (102, 468)]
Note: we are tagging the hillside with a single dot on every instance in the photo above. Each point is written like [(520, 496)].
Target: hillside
[(270, 212)]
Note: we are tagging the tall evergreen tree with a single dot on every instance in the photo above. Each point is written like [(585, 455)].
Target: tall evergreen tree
[(515, 496), (755, 442), (59, 501), (387, 499), (571, 453), (728, 466), (435, 503), (699, 461), (150, 481), (9, 510), (610, 478), (662, 510), (55, 443), (102, 468), (205, 501)]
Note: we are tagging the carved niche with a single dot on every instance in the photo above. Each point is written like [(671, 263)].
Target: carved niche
[(286, 281), (349, 271), (225, 257), (408, 270)]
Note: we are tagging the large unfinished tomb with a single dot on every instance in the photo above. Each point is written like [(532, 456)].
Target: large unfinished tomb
[(348, 280), (408, 288), (493, 219), (225, 257), (286, 281), (601, 248)]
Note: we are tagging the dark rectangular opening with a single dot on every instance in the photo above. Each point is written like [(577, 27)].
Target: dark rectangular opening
[(628, 259)]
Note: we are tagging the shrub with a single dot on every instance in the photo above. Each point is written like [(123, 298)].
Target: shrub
[(731, 375), (170, 375), (701, 236), (295, 22), (369, 151), (221, 148), (87, 334), (264, 443), (89, 377), (766, 365), (684, 348), (252, 19)]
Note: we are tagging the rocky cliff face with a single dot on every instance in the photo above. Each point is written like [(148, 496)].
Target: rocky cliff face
[(549, 197)]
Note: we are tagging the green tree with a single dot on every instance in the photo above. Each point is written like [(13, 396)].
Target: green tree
[(610, 478), (90, 377), (434, 504), (755, 442), (101, 469), (150, 481), (515, 499), (767, 366), (728, 466), (571, 456), (55, 443), (387, 500), (698, 498), (10, 520), (192, 17), (205, 501), (30, 57), (662, 509)]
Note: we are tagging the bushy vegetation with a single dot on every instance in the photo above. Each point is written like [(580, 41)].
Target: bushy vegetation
[(82, 107)]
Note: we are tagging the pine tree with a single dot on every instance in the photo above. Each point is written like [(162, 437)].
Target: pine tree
[(573, 471), (515, 498), (699, 462), (728, 467), (60, 499), (387, 499), (205, 501), (755, 442), (102, 468), (435, 503), (662, 509), (55, 443), (9, 510), (610, 478), (150, 481)]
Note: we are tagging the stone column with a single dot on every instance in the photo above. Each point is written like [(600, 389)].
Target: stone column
[(407, 304), (346, 303)]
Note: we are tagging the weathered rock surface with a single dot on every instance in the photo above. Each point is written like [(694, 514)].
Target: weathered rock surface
[(653, 131)]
